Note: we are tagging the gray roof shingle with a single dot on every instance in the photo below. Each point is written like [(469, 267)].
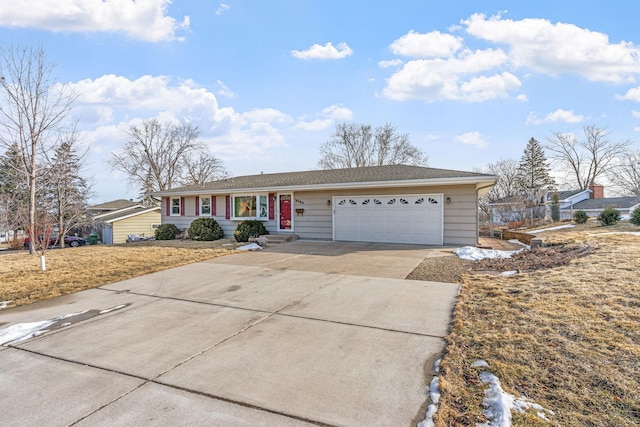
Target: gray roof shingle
[(616, 202), (333, 176)]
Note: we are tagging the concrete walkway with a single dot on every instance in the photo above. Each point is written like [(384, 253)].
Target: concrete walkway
[(307, 333)]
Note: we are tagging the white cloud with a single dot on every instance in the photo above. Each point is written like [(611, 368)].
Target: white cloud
[(559, 48), (145, 20), (522, 97), (429, 45), (328, 51), (223, 90), (635, 114), (560, 115), (390, 63), (329, 115), (109, 105), (338, 112), (473, 138), (452, 79), (632, 94), (222, 8)]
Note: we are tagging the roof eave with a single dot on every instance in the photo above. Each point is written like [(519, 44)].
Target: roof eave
[(478, 181), (131, 215)]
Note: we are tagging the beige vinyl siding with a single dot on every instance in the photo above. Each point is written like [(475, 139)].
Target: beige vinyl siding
[(140, 225), (316, 222)]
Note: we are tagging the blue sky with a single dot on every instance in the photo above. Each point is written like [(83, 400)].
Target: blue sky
[(266, 81)]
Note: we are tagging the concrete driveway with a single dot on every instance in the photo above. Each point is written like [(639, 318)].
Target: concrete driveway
[(305, 333)]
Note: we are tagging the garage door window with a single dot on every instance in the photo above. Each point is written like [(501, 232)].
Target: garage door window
[(394, 219)]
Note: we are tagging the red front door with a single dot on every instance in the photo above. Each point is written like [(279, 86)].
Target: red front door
[(285, 211)]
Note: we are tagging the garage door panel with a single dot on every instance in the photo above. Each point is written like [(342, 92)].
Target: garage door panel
[(390, 219)]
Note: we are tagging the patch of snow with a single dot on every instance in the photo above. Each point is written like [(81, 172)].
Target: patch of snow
[(542, 230), (518, 242), (509, 273), (22, 331), (4, 304), (431, 412), (499, 404), (434, 390), (249, 247), (434, 394), (476, 254), (479, 364)]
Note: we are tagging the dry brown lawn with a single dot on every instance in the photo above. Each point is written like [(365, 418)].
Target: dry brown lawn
[(566, 337), (74, 269)]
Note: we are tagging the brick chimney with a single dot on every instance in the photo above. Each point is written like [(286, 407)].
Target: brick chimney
[(597, 191)]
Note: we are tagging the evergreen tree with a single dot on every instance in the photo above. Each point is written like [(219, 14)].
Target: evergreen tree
[(66, 192), (14, 192), (533, 175)]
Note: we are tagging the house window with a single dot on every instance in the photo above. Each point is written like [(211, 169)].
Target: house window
[(205, 205), (175, 206), (254, 206)]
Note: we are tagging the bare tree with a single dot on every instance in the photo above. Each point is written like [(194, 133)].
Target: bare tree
[(157, 156), (32, 108), (588, 159), (626, 176), (507, 189), (202, 168), (353, 145)]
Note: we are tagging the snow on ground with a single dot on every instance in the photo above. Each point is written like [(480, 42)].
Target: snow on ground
[(476, 254), (518, 242), (249, 247), (509, 273), (542, 230), (434, 394), (499, 404), (4, 304), (23, 331)]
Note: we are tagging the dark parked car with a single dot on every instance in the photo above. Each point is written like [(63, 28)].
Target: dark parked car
[(72, 241)]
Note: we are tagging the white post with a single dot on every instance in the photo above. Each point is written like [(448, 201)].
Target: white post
[(43, 267)]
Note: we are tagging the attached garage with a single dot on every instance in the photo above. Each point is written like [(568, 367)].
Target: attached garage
[(414, 219)]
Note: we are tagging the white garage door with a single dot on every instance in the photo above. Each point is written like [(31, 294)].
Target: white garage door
[(389, 219)]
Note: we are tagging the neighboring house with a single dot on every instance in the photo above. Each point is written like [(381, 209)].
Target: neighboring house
[(114, 225), (593, 207), (592, 201), (394, 204), (111, 206)]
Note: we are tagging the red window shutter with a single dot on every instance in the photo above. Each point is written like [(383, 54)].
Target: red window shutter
[(272, 206), (197, 205), (213, 205), (181, 206), (168, 206), (228, 201)]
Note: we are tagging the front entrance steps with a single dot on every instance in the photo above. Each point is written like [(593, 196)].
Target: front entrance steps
[(280, 238)]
